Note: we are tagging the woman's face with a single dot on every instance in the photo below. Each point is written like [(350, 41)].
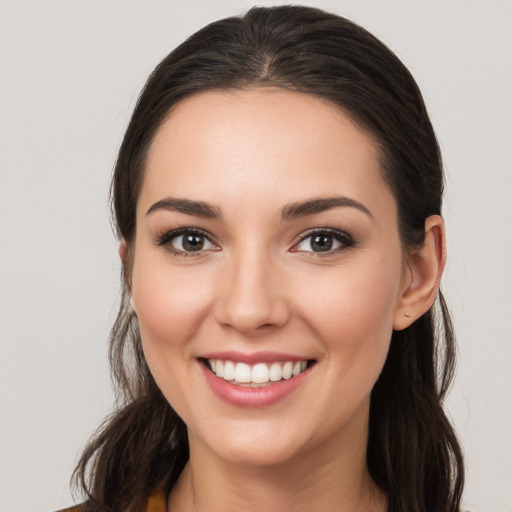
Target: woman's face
[(267, 248)]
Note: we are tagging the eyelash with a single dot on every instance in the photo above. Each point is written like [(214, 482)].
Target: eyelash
[(167, 237), (345, 239)]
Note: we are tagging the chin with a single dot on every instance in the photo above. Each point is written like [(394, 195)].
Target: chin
[(252, 455), (257, 446)]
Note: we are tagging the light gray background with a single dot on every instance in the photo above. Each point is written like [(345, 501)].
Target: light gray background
[(70, 72)]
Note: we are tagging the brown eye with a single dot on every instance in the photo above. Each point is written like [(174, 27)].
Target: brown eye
[(186, 241), (321, 243), (192, 242), (324, 241)]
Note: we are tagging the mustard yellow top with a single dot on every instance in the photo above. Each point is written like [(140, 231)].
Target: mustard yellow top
[(156, 503)]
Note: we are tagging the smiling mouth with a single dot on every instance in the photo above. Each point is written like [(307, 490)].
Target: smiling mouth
[(256, 375)]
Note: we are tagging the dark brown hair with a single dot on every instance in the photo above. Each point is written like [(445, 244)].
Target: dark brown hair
[(413, 454)]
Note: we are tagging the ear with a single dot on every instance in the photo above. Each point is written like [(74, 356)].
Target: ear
[(423, 275), (123, 251), (125, 255)]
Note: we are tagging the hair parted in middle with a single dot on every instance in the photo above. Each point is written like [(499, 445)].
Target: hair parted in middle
[(413, 454)]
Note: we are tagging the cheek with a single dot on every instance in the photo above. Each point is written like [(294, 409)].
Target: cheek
[(352, 310), (169, 304)]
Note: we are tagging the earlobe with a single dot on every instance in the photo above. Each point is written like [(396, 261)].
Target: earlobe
[(426, 266), (123, 250), (124, 255), (126, 259)]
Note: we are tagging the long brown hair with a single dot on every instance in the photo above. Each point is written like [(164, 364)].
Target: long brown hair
[(413, 453)]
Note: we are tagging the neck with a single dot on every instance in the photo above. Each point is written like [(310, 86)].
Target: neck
[(315, 480)]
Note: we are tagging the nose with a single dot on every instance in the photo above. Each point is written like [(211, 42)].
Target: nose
[(253, 295)]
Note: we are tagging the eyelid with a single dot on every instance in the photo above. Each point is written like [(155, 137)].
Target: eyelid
[(168, 236), (345, 238)]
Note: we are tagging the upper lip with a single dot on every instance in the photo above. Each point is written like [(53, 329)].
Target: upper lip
[(254, 357)]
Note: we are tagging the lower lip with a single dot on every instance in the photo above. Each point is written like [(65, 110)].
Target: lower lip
[(242, 396)]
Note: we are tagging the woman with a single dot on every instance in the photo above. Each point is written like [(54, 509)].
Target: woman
[(279, 344)]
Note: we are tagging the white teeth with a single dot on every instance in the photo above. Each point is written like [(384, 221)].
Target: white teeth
[(275, 372), (229, 371), (287, 370), (243, 373), (219, 368), (260, 373)]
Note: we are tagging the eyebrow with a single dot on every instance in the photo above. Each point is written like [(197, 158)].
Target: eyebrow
[(318, 205), (187, 206), (289, 212)]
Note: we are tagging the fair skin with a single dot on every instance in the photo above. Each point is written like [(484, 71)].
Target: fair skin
[(272, 272)]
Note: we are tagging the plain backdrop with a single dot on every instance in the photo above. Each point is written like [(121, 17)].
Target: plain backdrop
[(70, 73)]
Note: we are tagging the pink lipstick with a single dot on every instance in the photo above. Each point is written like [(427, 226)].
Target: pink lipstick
[(254, 380)]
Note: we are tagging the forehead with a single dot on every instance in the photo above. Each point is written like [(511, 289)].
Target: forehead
[(260, 146)]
